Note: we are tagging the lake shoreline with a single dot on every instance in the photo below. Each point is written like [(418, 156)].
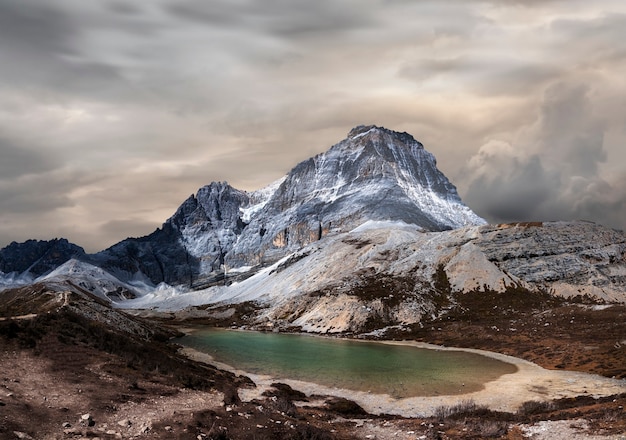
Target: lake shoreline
[(507, 393)]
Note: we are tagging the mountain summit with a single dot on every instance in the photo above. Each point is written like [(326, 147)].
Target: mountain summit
[(375, 174)]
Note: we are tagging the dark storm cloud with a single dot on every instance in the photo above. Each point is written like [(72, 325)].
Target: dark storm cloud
[(517, 190), (113, 112), (554, 173), (571, 136), (35, 28)]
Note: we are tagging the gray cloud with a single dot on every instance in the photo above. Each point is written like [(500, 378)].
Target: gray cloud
[(571, 136), (487, 76), (556, 173), (17, 161), (130, 227), (125, 9), (112, 113), (280, 17), (38, 193), (35, 27)]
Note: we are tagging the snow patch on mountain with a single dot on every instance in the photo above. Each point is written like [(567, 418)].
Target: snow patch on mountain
[(14, 279), (318, 286), (384, 224), (95, 280), (259, 199)]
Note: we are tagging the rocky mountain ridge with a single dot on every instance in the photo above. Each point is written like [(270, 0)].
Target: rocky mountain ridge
[(389, 274), (366, 235), (374, 174)]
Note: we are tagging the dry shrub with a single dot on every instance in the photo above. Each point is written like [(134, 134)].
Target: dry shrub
[(466, 408), (533, 407)]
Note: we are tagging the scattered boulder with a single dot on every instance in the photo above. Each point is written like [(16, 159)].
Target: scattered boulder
[(125, 423), (344, 406), (87, 420)]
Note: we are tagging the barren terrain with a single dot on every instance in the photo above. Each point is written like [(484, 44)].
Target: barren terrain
[(66, 375)]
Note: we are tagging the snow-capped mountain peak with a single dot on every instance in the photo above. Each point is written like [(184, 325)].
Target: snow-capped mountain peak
[(374, 174)]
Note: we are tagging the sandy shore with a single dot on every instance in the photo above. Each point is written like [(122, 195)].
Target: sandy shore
[(507, 393)]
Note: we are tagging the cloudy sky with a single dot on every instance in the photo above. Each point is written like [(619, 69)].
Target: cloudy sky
[(113, 112)]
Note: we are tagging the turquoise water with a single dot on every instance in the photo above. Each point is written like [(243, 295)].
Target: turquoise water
[(400, 371)]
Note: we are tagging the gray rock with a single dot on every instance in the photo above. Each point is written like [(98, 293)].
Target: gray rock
[(37, 257), (87, 420)]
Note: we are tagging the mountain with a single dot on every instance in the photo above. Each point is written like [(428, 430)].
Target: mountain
[(391, 273), (366, 235), (80, 276), (20, 263), (374, 174)]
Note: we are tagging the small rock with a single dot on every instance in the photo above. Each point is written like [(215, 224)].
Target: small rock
[(87, 420), (67, 425), (124, 423), (168, 428), (22, 435)]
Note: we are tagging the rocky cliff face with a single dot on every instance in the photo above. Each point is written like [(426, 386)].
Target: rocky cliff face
[(567, 258), (385, 274), (189, 247), (373, 174), (37, 257)]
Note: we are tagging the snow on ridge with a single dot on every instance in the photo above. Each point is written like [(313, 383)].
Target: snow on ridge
[(444, 211), (364, 133), (14, 279), (260, 198), (93, 278), (384, 224), (166, 298)]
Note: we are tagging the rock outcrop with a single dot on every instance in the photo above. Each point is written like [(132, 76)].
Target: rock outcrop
[(384, 274), (22, 262)]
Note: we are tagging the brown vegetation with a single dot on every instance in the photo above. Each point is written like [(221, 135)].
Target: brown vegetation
[(58, 364)]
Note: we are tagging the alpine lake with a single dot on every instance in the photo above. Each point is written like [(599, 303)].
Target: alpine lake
[(399, 371)]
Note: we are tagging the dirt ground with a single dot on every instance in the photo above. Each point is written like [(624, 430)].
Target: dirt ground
[(62, 377), (42, 399)]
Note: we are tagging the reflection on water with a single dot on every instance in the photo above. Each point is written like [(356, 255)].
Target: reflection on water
[(400, 371)]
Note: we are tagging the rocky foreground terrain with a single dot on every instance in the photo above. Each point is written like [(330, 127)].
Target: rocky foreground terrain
[(77, 368)]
